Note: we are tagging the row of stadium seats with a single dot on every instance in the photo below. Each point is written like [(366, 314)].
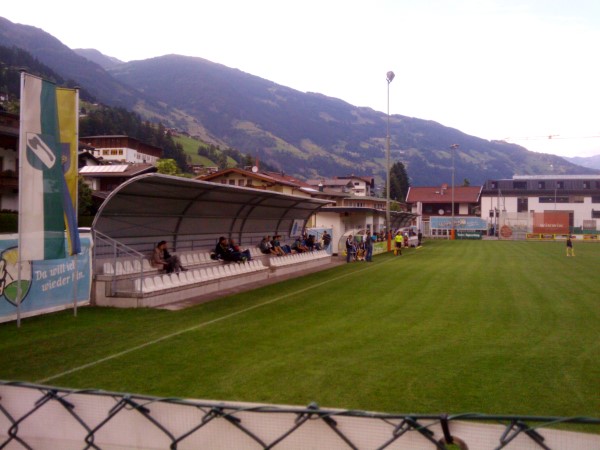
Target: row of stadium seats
[(188, 259), (167, 281), (296, 258)]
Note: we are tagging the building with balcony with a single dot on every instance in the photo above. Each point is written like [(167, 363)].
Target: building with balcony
[(122, 149)]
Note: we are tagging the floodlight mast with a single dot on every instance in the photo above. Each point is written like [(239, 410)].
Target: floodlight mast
[(388, 224), (453, 231)]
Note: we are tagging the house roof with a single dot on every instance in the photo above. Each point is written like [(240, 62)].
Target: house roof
[(443, 194), (255, 175), (117, 170), (330, 182)]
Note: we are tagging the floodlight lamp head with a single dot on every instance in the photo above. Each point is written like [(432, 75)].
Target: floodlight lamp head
[(390, 76)]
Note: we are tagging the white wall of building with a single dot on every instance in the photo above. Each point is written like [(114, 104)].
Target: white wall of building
[(125, 154), (581, 211)]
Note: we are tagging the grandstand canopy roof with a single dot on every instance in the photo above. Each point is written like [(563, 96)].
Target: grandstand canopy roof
[(153, 207)]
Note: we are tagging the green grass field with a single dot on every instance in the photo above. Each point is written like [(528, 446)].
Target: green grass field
[(465, 326)]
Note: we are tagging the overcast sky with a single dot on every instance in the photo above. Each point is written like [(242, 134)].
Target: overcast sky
[(521, 70)]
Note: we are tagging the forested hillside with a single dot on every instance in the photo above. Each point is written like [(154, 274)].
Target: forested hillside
[(302, 134)]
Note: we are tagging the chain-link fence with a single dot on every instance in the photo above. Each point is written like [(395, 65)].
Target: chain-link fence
[(44, 417)]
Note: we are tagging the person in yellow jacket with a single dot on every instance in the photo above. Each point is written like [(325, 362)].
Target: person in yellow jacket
[(398, 244)]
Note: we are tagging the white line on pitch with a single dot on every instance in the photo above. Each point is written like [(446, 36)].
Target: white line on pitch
[(196, 327)]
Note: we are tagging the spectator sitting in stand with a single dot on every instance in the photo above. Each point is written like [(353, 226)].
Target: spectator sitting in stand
[(225, 252), (312, 244), (277, 246), (236, 248), (162, 259), (266, 247), (298, 246)]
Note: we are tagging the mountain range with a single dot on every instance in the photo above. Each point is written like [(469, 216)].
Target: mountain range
[(303, 134)]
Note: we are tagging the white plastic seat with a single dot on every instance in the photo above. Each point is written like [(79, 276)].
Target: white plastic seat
[(149, 285), (178, 279), (108, 268), (175, 279), (221, 272), (195, 258), (190, 277), (146, 265), (158, 282), (167, 281), (119, 269), (137, 265), (128, 267), (184, 259)]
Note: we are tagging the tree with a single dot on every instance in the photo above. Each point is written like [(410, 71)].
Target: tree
[(167, 166), (84, 198), (222, 161), (399, 182)]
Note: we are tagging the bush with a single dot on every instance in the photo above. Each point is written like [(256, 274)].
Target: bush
[(9, 222)]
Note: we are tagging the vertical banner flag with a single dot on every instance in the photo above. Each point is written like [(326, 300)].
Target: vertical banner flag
[(67, 104), (45, 203)]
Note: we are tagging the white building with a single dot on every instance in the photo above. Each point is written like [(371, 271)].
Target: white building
[(123, 149), (350, 184), (577, 196)]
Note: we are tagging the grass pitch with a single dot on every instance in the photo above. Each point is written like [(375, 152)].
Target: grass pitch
[(464, 326)]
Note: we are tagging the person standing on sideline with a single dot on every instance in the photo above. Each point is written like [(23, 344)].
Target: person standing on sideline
[(420, 238), (398, 242), (326, 240), (369, 247), (570, 251), (349, 249)]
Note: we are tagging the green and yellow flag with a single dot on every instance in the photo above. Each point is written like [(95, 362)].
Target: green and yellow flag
[(48, 166)]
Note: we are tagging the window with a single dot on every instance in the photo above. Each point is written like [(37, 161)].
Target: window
[(587, 185), (553, 199), (519, 184), (232, 182), (576, 199), (494, 185), (560, 185), (541, 185), (595, 198), (522, 204), (595, 214)]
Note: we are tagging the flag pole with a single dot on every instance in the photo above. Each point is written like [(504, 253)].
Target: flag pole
[(20, 217), (76, 152)]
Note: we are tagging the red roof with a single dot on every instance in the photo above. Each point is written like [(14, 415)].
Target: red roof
[(269, 177), (443, 194)]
